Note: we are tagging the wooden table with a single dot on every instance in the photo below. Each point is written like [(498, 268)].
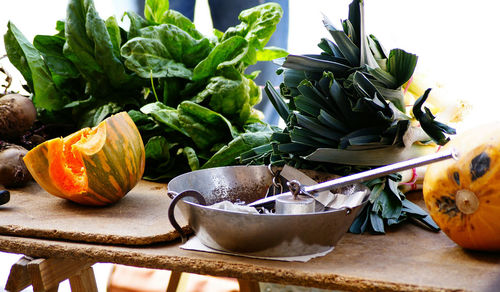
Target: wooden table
[(406, 259)]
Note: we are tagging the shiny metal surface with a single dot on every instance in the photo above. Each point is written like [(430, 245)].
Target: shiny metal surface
[(262, 234), (292, 205), (369, 174)]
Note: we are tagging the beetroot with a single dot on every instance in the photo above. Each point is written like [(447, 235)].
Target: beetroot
[(17, 115), (13, 171)]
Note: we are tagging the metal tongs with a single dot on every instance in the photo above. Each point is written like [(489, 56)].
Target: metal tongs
[(364, 176)]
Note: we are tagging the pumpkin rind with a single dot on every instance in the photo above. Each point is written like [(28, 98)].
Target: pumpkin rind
[(463, 196), (112, 158)]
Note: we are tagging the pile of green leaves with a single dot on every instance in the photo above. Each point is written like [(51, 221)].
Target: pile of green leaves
[(347, 102), (188, 93)]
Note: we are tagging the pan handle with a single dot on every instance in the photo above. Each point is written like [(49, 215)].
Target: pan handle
[(176, 198)]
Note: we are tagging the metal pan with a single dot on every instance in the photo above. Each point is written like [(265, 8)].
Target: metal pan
[(271, 234), (256, 234)]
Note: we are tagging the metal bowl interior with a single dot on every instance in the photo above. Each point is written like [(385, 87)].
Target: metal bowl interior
[(258, 234)]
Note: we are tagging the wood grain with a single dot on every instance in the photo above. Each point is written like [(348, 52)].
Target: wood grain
[(139, 218)]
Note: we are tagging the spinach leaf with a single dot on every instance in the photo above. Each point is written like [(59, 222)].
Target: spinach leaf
[(150, 59), (180, 44), (96, 115), (232, 98), (191, 157), (157, 148), (51, 48), (136, 23), (79, 48), (143, 122), (257, 24), (228, 154), (164, 51), (161, 158), (164, 115), (28, 60), (179, 20), (114, 35), (204, 126), (64, 74), (89, 46), (154, 10), (60, 28), (271, 53), (228, 53)]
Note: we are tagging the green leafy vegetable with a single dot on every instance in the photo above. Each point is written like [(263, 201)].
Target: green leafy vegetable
[(186, 92), (154, 10), (344, 111), (427, 120), (35, 71), (228, 53)]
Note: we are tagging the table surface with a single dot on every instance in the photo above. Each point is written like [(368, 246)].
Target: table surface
[(32, 212), (408, 258)]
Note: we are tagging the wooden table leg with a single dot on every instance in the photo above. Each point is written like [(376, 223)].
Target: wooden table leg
[(248, 286), (173, 282), (19, 277), (46, 274), (84, 281)]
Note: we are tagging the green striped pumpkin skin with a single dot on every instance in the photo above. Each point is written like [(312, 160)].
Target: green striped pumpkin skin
[(111, 172), (119, 166)]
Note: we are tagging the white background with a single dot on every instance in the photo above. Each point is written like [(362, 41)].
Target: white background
[(457, 43)]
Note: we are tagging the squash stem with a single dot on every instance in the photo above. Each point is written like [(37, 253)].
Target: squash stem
[(466, 201)]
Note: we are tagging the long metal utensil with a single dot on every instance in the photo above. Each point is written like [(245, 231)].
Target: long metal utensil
[(367, 175)]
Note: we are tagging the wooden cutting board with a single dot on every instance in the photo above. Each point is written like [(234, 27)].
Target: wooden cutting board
[(139, 218)]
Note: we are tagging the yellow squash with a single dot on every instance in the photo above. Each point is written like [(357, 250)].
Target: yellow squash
[(463, 196)]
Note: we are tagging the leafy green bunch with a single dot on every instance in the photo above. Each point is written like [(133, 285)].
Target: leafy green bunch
[(345, 112), (77, 76), (188, 93), (204, 112)]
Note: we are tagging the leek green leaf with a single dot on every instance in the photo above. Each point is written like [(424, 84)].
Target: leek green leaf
[(349, 50), (377, 223), (401, 65), (316, 127), (277, 101), (311, 64), (436, 130)]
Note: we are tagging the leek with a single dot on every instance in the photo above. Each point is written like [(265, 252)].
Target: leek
[(351, 108)]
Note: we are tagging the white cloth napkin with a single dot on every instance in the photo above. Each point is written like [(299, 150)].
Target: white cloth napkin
[(195, 244)]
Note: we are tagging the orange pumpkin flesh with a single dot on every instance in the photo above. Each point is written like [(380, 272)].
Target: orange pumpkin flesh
[(67, 168), (463, 196), (95, 166)]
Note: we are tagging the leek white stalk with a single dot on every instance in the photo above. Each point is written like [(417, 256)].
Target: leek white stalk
[(442, 103), (412, 179)]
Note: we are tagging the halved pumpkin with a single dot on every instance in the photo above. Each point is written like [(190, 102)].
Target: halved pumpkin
[(93, 166)]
